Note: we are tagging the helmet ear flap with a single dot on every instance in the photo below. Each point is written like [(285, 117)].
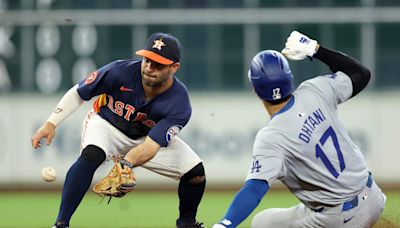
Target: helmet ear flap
[(270, 75)]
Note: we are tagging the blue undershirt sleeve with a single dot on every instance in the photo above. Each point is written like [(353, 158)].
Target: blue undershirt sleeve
[(245, 201)]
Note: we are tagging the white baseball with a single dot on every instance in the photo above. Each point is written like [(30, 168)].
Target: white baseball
[(49, 174)]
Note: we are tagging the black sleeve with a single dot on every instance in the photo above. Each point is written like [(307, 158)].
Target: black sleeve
[(338, 61)]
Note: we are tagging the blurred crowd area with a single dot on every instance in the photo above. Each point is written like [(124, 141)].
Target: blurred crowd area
[(46, 46)]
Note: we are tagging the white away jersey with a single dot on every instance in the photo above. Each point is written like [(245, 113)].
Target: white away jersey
[(306, 146)]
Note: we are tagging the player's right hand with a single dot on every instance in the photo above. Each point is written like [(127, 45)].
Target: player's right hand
[(48, 131), (298, 46)]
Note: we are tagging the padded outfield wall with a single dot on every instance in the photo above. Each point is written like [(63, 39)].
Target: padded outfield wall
[(221, 131)]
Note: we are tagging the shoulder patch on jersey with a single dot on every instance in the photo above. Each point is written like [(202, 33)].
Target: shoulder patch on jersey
[(172, 132), (91, 77), (333, 76)]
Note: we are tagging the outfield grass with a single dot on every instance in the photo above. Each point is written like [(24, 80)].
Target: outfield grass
[(140, 209)]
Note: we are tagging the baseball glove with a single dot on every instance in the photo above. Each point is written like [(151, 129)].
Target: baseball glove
[(118, 182)]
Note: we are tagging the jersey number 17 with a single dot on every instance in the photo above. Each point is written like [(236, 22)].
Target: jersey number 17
[(319, 152)]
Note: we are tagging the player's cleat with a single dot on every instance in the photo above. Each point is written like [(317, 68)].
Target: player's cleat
[(180, 224), (60, 225)]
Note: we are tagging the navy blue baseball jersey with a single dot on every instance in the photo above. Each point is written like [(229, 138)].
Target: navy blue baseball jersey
[(126, 108)]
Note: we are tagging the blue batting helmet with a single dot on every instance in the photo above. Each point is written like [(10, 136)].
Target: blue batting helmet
[(271, 76)]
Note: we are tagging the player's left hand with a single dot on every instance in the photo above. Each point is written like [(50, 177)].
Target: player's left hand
[(120, 181), (299, 46)]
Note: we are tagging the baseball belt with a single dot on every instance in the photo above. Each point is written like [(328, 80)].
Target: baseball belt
[(348, 205)]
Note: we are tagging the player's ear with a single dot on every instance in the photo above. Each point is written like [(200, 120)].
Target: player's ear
[(175, 67)]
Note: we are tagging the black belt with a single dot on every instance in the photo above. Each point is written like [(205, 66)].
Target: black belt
[(348, 205)]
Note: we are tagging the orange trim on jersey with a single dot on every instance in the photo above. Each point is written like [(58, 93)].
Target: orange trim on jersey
[(155, 57), (103, 99), (100, 101), (85, 124)]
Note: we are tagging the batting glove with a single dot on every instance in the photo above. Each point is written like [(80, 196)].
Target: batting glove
[(298, 46)]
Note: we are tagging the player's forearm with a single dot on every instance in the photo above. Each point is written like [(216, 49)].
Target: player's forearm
[(142, 153), (337, 61), (68, 104), (245, 201)]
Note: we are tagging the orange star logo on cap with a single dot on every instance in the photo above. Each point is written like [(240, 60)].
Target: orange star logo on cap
[(158, 44)]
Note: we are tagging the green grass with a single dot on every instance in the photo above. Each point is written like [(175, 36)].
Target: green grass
[(139, 209)]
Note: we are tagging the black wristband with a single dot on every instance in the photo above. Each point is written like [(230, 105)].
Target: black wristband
[(125, 162)]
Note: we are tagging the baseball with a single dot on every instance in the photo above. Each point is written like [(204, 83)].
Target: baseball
[(49, 174)]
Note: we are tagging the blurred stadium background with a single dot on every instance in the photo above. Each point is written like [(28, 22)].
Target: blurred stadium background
[(46, 46)]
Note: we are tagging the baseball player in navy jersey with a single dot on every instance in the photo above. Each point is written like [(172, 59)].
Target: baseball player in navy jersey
[(140, 108), (306, 146)]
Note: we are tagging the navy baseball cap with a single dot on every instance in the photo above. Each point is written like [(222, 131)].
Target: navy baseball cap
[(162, 48)]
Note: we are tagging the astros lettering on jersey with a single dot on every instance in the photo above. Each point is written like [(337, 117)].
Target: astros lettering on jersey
[(122, 102)]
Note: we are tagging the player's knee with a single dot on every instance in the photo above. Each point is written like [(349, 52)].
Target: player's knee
[(260, 220), (93, 154), (275, 217), (196, 175)]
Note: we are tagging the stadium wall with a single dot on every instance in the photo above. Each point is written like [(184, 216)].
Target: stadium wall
[(221, 131)]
